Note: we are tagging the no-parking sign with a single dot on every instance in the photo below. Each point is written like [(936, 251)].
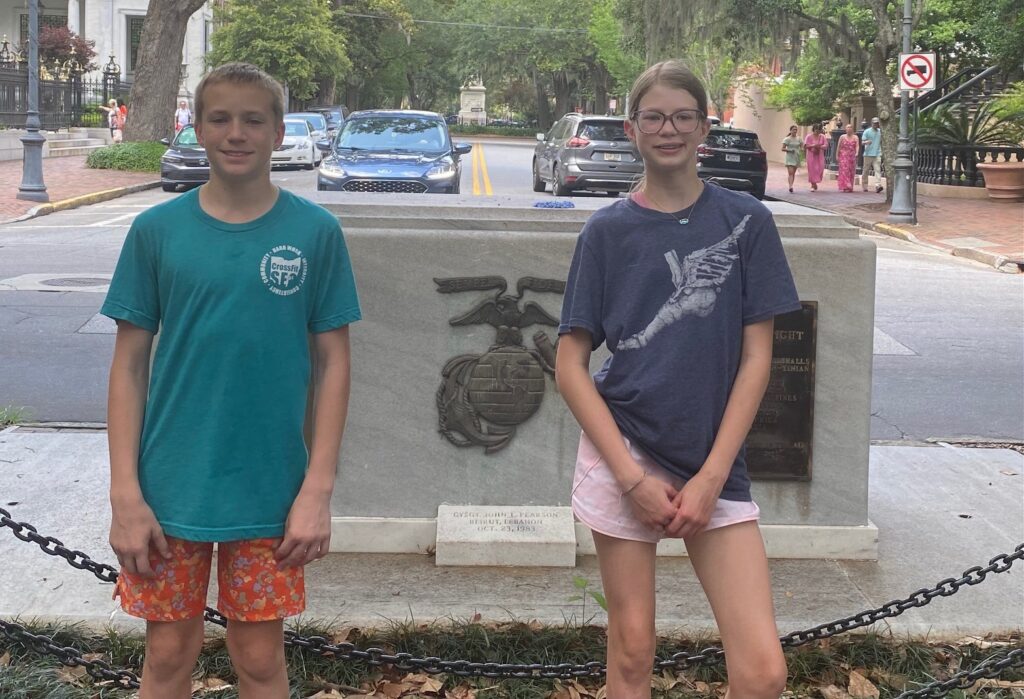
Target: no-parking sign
[(917, 71)]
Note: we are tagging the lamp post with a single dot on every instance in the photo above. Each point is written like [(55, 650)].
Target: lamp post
[(32, 187), (902, 209)]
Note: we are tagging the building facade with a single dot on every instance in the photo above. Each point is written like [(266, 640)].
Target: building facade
[(116, 28)]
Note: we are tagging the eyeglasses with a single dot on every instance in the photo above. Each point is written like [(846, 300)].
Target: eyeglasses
[(685, 120)]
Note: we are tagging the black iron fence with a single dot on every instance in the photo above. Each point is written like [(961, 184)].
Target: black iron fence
[(64, 100), (958, 165)]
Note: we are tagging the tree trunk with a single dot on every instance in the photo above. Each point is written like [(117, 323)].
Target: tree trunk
[(600, 89), (563, 93), (157, 73), (883, 47), (544, 120)]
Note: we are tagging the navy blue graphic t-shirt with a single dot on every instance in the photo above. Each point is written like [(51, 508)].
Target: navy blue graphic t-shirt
[(670, 301)]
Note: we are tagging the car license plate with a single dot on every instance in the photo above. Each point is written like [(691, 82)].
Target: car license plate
[(616, 157), (732, 158)]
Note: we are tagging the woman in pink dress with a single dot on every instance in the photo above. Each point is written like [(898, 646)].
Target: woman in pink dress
[(814, 146), (849, 145)]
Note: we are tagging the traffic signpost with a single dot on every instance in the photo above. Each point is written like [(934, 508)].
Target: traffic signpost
[(917, 71)]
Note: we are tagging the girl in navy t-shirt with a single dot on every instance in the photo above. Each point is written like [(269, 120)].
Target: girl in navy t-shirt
[(682, 281)]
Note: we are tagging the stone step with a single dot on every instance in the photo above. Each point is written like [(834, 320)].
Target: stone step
[(77, 150)]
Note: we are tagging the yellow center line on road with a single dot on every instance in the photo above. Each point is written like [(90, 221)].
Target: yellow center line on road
[(483, 169), (476, 170)]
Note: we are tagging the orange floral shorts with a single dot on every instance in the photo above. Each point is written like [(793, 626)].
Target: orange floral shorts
[(250, 585)]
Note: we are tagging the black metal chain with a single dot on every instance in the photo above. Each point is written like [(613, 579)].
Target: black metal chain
[(375, 657), (992, 666), (44, 645)]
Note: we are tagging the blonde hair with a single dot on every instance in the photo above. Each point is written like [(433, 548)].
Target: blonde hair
[(242, 74), (671, 73)]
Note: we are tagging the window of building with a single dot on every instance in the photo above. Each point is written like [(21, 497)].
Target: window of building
[(44, 21), (134, 36)]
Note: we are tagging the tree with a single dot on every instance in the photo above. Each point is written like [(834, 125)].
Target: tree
[(157, 72), (59, 45), (291, 40), (815, 88)]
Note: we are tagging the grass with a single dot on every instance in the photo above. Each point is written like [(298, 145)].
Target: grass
[(12, 415), (890, 664)]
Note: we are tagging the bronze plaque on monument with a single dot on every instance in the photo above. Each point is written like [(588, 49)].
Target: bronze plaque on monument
[(779, 443)]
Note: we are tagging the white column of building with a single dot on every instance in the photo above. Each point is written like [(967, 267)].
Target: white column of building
[(74, 17)]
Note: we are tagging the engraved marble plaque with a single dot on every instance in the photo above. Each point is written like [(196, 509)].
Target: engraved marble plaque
[(481, 535), (779, 443)]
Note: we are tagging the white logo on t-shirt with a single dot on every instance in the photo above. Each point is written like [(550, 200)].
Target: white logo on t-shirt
[(283, 270)]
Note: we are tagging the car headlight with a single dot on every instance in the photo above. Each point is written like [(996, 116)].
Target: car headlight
[(445, 168), (332, 169), (305, 143), (168, 158)]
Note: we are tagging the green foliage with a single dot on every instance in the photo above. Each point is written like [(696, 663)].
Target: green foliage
[(293, 40), (1011, 105), (954, 124), (141, 156), (11, 415), (476, 129), (606, 33), (816, 86), (583, 585)]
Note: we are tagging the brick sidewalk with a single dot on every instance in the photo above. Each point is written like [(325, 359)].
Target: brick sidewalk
[(991, 227), (65, 178)]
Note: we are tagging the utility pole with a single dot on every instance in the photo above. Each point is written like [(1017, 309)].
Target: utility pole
[(902, 209)]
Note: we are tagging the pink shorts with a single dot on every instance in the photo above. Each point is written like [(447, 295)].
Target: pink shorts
[(597, 498)]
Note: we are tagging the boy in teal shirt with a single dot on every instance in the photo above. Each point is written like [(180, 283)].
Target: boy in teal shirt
[(241, 279)]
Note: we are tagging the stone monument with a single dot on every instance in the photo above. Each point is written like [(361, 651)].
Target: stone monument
[(473, 102), (454, 402)]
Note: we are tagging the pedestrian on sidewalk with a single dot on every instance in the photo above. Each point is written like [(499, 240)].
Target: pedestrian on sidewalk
[(872, 140), (849, 145), (112, 115), (682, 279), (182, 116), (791, 145), (815, 145), (209, 449)]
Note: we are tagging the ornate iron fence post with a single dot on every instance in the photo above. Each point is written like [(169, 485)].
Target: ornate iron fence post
[(111, 77)]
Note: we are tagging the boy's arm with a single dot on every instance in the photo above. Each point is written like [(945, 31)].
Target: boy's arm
[(133, 527), (307, 534), (698, 497)]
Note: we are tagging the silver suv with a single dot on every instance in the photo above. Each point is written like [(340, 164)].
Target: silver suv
[(585, 152)]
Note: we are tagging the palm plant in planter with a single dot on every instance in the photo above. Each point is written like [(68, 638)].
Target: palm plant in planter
[(969, 130)]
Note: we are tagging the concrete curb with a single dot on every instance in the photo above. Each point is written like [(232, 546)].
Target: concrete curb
[(84, 200)]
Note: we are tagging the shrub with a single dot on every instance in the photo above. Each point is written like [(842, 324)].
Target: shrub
[(476, 129), (141, 156)]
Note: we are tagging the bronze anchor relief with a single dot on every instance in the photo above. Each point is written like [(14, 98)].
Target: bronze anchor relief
[(483, 397)]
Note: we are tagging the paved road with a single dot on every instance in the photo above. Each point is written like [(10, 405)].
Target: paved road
[(949, 350)]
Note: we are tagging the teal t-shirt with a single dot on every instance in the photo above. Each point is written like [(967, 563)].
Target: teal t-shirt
[(874, 148), (222, 454)]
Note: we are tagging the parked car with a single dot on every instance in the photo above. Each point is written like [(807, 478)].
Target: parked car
[(585, 152), (393, 151), (335, 117), (298, 149), (317, 122), (734, 159), (184, 162)]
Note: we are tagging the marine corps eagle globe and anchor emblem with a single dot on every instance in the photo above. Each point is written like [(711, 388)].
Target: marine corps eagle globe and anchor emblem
[(483, 397)]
